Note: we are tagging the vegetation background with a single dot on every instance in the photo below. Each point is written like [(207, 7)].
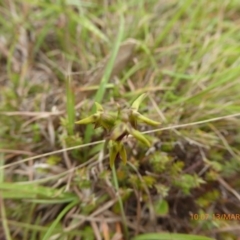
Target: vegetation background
[(59, 57)]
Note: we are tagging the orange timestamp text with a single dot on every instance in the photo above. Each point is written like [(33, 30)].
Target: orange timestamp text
[(215, 216)]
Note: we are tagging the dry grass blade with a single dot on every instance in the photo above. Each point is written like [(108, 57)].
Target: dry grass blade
[(193, 123), (229, 188), (52, 153)]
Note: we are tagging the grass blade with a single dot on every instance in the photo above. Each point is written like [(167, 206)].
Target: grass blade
[(170, 236), (57, 220), (107, 73), (70, 106)]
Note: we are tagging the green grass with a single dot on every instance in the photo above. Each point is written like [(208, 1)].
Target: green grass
[(107, 73), (59, 57)]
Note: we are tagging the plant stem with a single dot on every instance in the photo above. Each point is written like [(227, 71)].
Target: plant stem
[(115, 181)]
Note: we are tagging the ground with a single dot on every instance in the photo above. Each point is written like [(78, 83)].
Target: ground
[(58, 58)]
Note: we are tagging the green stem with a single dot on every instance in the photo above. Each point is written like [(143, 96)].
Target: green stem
[(115, 181)]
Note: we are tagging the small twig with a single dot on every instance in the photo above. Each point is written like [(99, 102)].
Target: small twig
[(229, 188), (51, 153), (96, 231), (16, 152), (105, 229), (192, 123), (96, 219), (32, 114), (226, 229), (97, 212)]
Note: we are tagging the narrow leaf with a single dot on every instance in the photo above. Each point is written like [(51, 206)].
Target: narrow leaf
[(87, 120), (70, 105), (147, 120), (170, 236), (138, 101)]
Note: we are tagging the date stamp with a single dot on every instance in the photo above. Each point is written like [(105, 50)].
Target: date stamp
[(215, 216)]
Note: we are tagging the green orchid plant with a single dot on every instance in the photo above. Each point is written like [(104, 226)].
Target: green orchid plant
[(119, 126)]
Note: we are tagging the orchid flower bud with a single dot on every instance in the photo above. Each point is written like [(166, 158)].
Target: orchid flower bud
[(121, 124)]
